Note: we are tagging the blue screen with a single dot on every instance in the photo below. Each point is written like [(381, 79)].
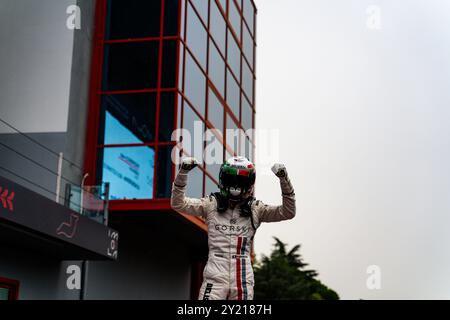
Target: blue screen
[(129, 170)]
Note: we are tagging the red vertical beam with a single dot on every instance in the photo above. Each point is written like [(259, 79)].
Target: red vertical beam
[(177, 79), (206, 92), (184, 65), (226, 82), (241, 97)]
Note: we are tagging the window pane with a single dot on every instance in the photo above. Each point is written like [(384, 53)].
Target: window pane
[(213, 155), (170, 17), (202, 9), (195, 127), (248, 46), (167, 116), (180, 108), (131, 66), (246, 151), (164, 172), (133, 19), (223, 3), (129, 171), (216, 112), (183, 15), (180, 68), (249, 14), (234, 55), (169, 64), (211, 186), (247, 81), (247, 114), (218, 27), (251, 150), (196, 37), (195, 184), (232, 134), (233, 94), (216, 69), (235, 18), (195, 83), (128, 118)]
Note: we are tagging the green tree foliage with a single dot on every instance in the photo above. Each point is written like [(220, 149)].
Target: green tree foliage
[(283, 276)]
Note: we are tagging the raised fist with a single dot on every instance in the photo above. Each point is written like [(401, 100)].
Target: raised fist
[(188, 163), (279, 170)]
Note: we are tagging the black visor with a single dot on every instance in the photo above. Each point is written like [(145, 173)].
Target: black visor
[(236, 181)]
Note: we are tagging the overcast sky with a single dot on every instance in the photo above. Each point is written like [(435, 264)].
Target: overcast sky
[(363, 114)]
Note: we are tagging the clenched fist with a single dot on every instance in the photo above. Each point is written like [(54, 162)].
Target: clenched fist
[(188, 163), (279, 170)]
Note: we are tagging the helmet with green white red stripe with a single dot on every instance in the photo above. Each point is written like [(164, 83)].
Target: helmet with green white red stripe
[(237, 178)]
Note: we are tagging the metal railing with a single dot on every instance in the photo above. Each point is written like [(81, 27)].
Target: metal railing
[(89, 201)]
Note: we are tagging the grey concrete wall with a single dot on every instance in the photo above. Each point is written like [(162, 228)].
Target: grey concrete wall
[(35, 64), (58, 100), (79, 92), (23, 161), (38, 277)]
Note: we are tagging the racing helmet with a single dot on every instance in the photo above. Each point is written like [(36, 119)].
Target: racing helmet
[(237, 178)]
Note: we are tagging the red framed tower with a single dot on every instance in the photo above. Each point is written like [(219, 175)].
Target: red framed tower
[(162, 65)]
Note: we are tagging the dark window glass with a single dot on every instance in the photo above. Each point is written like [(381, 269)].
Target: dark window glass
[(164, 172), (235, 18), (169, 64), (247, 114), (247, 81), (128, 118), (218, 27), (216, 69), (167, 116), (170, 17), (196, 37), (248, 46), (180, 68), (233, 94), (129, 171), (234, 55), (215, 111), (195, 85), (131, 66), (249, 14), (133, 19)]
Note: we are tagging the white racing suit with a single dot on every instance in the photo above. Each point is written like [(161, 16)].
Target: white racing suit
[(228, 273)]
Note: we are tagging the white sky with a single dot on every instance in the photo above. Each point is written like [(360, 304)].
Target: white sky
[(364, 118)]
